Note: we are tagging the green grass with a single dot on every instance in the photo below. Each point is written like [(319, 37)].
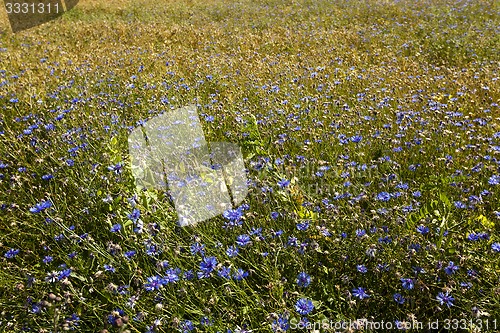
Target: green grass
[(284, 80)]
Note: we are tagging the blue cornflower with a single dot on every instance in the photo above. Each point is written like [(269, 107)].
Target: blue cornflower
[(423, 229), (303, 279), (171, 275), (47, 259), (473, 237), (233, 215), (114, 316), (189, 275), (65, 273), (360, 293), (445, 299), (360, 232), (356, 138), (494, 180), (129, 254), (154, 283), (304, 306), (484, 236), (466, 285), (398, 298), (109, 268), (303, 226), (460, 204), (383, 196), (205, 321), (281, 324), (256, 231), (116, 227), (197, 248), (283, 183), (361, 268), (408, 284), (495, 247), (36, 308), (117, 168), (11, 253), (224, 272), (47, 177), (243, 240), (208, 265), (292, 241), (186, 326), (232, 251), (275, 215), (240, 274), (134, 216), (451, 268), (40, 207)]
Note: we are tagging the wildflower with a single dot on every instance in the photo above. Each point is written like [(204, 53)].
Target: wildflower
[(129, 254), (47, 177), (197, 248), (451, 268), (281, 324), (360, 232), (361, 268), (171, 275), (398, 298), (224, 272), (116, 227), (360, 293), (233, 215), (283, 183), (64, 274), (494, 180), (154, 283), (243, 240), (189, 275), (232, 251), (304, 306), (495, 247), (423, 229), (473, 237), (117, 168), (408, 284), (134, 216), (445, 299), (109, 268), (11, 253), (383, 196), (47, 259), (240, 274), (40, 207), (303, 226), (115, 318), (207, 266), (303, 279)]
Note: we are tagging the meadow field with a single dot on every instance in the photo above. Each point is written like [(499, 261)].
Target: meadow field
[(370, 131)]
